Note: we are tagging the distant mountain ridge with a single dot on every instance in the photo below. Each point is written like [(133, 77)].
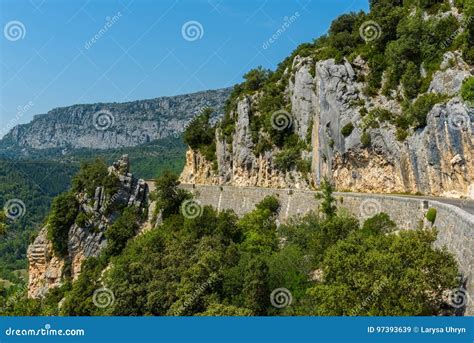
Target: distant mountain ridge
[(111, 125)]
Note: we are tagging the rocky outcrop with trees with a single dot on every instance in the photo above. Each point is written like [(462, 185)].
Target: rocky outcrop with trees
[(383, 103)]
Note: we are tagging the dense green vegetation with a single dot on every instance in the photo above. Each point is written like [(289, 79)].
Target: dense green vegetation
[(431, 215), (92, 175), (35, 183), (147, 160), (199, 135), (218, 264), (467, 91), (63, 214)]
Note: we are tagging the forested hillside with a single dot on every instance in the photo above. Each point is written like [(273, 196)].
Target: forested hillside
[(197, 261), (26, 191)]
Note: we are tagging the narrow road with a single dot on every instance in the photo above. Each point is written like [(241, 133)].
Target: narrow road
[(466, 205)]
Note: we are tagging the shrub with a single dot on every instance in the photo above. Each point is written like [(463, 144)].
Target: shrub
[(255, 79), (365, 139), (431, 215), (270, 203), (92, 175), (467, 91), (379, 224), (82, 220), (118, 234), (63, 214), (199, 132), (347, 129), (411, 81), (419, 110), (287, 159), (303, 166), (401, 134), (327, 204), (168, 196)]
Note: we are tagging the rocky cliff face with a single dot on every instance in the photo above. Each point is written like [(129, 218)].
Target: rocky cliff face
[(86, 240), (326, 96), (114, 125)]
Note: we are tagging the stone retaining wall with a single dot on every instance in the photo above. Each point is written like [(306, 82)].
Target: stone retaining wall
[(456, 227)]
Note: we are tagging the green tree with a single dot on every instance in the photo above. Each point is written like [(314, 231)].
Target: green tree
[(256, 291), (327, 200), (215, 310), (63, 214), (199, 131), (411, 80), (256, 78), (168, 196), (467, 90), (123, 229), (396, 275), (3, 223), (90, 176)]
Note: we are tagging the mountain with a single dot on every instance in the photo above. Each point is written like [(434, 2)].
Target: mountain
[(383, 103), (38, 159), (109, 125)]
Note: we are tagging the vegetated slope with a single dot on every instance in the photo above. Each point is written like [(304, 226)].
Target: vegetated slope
[(382, 103), (35, 184), (198, 261), (147, 160), (36, 181)]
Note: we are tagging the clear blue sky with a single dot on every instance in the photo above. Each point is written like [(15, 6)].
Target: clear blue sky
[(47, 62)]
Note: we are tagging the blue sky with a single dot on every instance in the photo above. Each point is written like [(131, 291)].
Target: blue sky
[(48, 58)]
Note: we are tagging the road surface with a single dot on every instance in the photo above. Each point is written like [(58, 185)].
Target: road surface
[(466, 205)]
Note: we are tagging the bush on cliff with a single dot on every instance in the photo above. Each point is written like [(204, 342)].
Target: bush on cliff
[(92, 175), (199, 135), (63, 214), (467, 91), (123, 229)]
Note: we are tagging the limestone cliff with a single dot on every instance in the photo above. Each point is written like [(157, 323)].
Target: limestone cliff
[(110, 125), (324, 97), (84, 239)]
